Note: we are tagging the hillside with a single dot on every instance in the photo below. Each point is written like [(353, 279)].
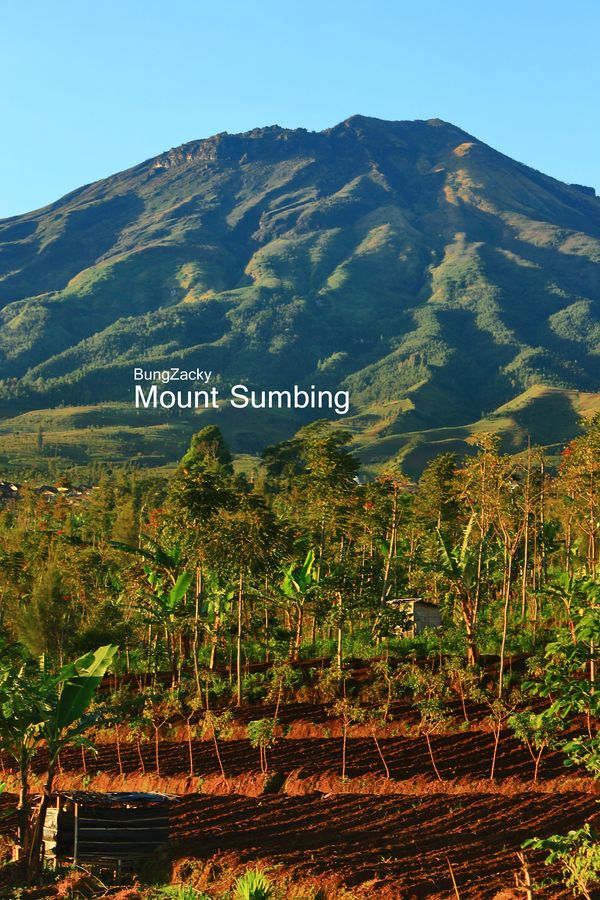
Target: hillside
[(433, 277)]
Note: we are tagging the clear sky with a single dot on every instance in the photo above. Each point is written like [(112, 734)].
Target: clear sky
[(90, 88)]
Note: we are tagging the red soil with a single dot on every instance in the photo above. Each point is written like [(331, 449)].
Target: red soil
[(381, 838), (464, 755), (386, 847)]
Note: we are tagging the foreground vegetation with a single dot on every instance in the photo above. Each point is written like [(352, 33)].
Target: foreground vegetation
[(223, 591)]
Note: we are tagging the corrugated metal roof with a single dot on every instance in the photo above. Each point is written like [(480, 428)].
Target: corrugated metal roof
[(116, 798)]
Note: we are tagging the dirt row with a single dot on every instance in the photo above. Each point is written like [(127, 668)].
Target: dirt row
[(401, 713), (388, 847), (384, 838), (463, 755)]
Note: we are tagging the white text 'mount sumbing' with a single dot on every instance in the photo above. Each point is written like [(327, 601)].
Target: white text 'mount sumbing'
[(242, 397)]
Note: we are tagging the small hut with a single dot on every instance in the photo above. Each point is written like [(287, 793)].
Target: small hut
[(420, 614), (113, 829)]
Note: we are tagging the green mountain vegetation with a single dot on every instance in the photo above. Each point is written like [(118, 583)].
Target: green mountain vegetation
[(449, 288)]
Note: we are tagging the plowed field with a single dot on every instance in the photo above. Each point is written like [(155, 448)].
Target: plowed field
[(388, 847), (364, 836), (465, 755)]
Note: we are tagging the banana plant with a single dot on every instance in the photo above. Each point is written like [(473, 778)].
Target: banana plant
[(462, 567), (64, 721), (215, 608), (22, 710), (296, 585), (166, 603), (169, 586), (166, 609), (166, 560), (575, 593)]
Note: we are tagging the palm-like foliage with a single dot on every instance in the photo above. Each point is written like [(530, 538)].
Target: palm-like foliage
[(297, 585), (462, 567)]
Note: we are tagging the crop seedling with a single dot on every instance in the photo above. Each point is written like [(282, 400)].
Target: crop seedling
[(429, 695), (462, 680), (253, 885), (538, 731), (261, 734), (374, 722), (217, 725), (500, 711)]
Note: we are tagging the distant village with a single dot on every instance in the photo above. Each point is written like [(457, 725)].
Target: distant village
[(12, 492)]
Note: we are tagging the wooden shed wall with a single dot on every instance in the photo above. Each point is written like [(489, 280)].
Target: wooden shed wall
[(106, 833)]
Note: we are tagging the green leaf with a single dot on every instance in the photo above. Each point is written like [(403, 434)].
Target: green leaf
[(80, 679), (177, 593)]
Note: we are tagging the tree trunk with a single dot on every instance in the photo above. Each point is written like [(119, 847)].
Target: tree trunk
[(23, 812), (190, 747), (239, 638), (526, 533), (35, 862), (381, 756), (505, 626), (298, 638), (339, 638), (432, 757), (495, 754), (390, 555), (469, 620), (214, 641), (196, 617)]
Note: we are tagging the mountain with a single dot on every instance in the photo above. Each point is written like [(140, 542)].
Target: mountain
[(434, 278)]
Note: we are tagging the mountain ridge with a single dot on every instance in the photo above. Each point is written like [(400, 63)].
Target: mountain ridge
[(405, 261)]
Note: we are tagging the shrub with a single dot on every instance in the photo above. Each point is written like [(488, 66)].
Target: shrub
[(578, 853)]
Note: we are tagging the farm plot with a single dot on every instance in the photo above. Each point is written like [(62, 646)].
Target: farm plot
[(405, 836), (464, 756), (386, 847)]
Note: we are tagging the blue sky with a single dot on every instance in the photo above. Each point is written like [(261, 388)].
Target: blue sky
[(89, 88)]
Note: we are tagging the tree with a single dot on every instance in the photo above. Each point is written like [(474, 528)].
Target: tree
[(166, 609), (538, 731), (297, 584), (580, 480), (567, 678), (48, 709), (168, 590), (350, 713), (429, 696), (578, 854), (22, 710), (244, 544), (202, 487), (217, 724), (208, 447), (202, 483), (500, 711), (261, 734), (438, 491), (461, 566), (320, 472), (48, 618)]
